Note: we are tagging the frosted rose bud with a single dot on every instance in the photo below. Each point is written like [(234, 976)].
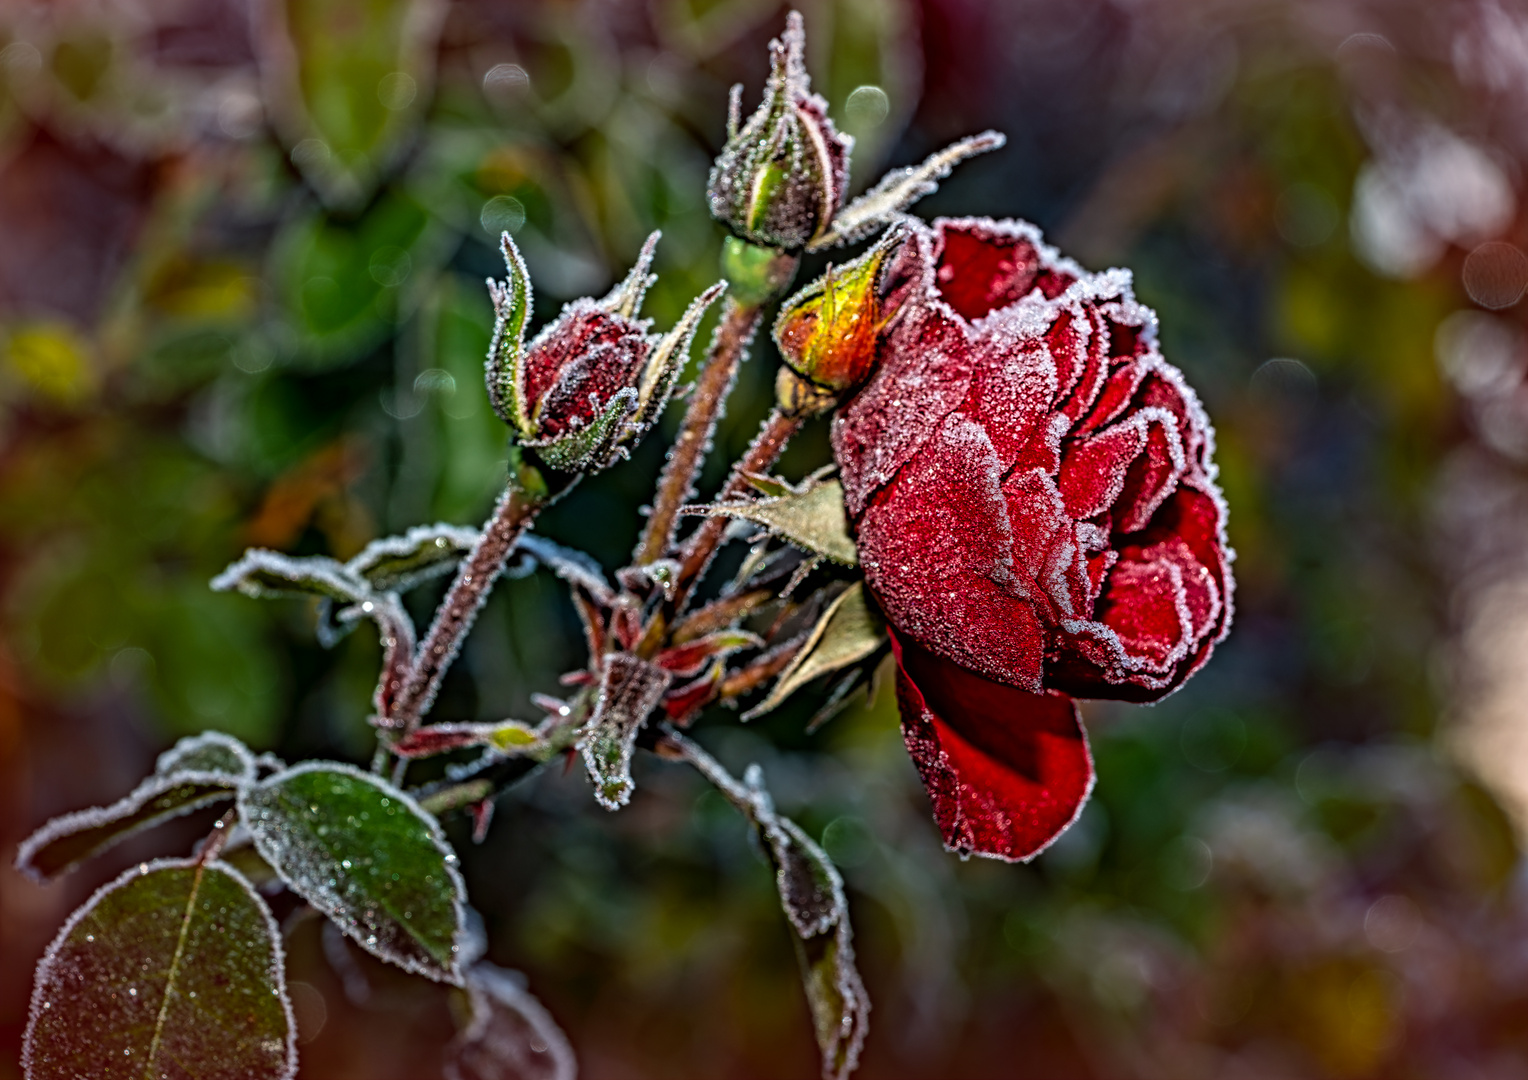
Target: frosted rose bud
[(827, 332), (1033, 496), (782, 175), (594, 380)]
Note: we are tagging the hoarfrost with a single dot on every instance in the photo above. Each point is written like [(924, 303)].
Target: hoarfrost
[(398, 563), (209, 752), (812, 895), (511, 1036), (630, 689), (367, 856), (199, 957), (66, 841)]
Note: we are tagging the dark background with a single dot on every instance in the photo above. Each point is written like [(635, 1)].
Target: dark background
[(241, 259)]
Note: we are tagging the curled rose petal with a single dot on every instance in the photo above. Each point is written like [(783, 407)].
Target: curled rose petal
[(1007, 771)]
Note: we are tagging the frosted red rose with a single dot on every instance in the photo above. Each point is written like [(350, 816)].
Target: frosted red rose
[(1033, 497)]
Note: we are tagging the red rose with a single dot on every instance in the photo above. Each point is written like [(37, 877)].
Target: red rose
[(1033, 497)]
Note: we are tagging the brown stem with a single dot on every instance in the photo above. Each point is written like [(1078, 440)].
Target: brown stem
[(677, 483), (517, 508), (218, 838), (767, 446)]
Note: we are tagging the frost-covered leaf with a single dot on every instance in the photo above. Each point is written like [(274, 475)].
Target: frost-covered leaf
[(812, 519), (847, 632), (67, 841), (398, 563), (363, 853), (812, 895), (688, 659), (510, 1035), (264, 574), (172, 970), (573, 566), (899, 189), (209, 752), (630, 689)]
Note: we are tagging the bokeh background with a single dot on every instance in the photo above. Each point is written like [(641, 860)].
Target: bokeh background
[(242, 245)]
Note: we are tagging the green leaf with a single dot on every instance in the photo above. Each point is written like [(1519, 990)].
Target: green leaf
[(174, 969), (67, 841), (847, 633), (365, 854), (812, 519), (595, 446), (209, 752), (267, 574), (397, 563)]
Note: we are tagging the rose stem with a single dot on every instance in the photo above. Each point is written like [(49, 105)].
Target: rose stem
[(768, 445), (677, 483), (516, 509)]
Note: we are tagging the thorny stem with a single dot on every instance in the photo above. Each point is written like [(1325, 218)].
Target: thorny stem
[(516, 509), (677, 483), (767, 447)]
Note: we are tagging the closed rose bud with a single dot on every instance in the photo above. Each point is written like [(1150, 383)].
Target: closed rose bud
[(782, 175), (594, 380), (827, 332), (1033, 496)]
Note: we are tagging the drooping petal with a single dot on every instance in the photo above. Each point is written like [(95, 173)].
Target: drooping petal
[(1007, 771), (937, 550)]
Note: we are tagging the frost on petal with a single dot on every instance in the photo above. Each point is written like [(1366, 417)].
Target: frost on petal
[(982, 265), (586, 350), (510, 1035), (367, 856), (938, 553), (1007, 771), (630, 689), (924, 373), (70, 839), (174, 969)]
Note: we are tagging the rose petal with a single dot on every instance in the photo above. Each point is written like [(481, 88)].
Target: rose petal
[(937, 550), (1007, 771), (982, 266), (924, 374), (585, 351)]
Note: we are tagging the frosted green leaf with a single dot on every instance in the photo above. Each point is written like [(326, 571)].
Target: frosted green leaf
[(398, 563), (265, 574), (363, 853), (209, 752), (172, 970), (845, 634), (812, 518), (69, 840)]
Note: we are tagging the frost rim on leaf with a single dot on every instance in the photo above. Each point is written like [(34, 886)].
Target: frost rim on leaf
[(277, 974)]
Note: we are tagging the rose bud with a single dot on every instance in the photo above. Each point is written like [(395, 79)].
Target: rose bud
[(594, 380), (827, 332), (1033, 495), (782, 176)]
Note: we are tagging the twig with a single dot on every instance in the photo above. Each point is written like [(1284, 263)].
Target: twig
[(677, 483)]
